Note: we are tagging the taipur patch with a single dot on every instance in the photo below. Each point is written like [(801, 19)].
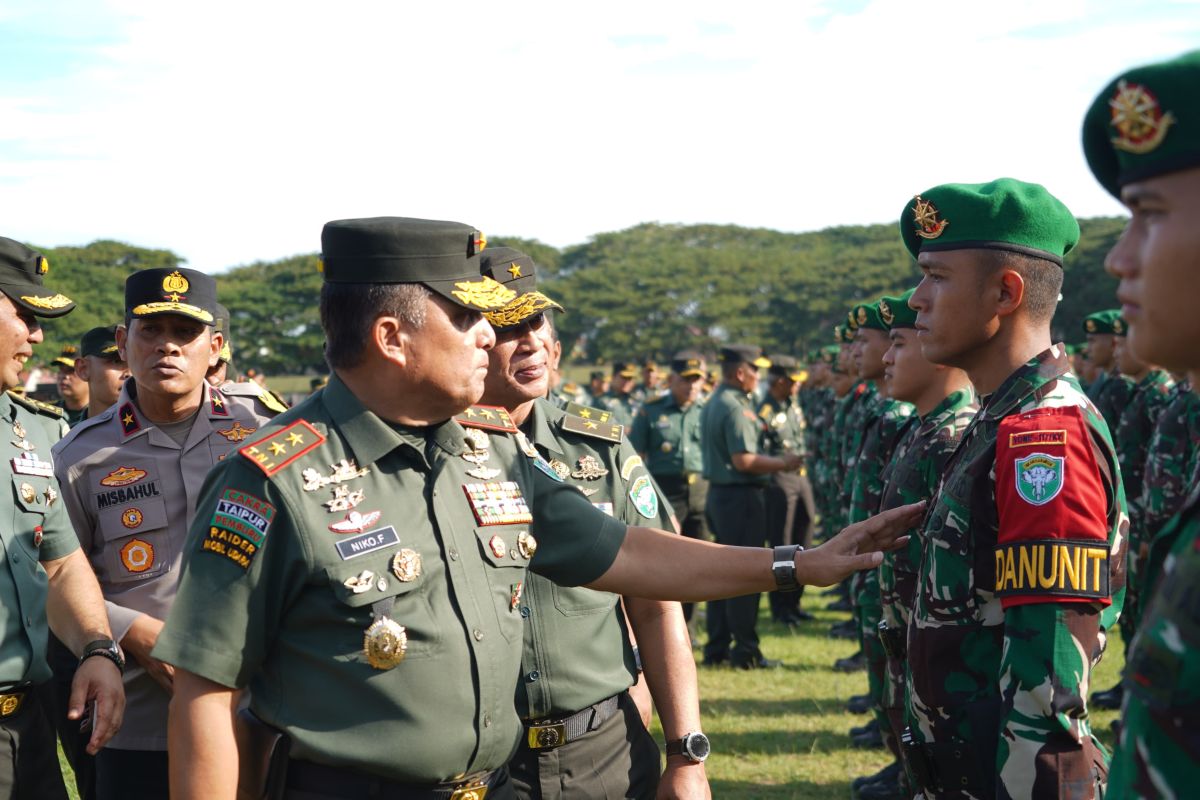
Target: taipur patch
[(1039, 477), (245, 514)]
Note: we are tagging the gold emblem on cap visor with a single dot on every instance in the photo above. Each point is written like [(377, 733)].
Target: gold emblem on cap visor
[(925, 217), (175, 283), (885, 313), (485, 293), (52, 303), (1140, 122)]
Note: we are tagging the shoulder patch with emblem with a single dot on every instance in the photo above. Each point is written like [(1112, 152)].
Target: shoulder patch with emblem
[(631, 463), (489, 418), (217, 404), (275, 451), (1052, 545), (608, 431), (643, 497), (238, 527)]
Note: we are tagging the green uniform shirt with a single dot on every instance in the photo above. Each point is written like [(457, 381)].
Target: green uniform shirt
[(622, 406), (335, 512), (729, 425), (783, 427), (669, 436), (37, 530), (576, 648)]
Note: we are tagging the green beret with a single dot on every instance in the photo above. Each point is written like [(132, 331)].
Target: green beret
[(829, 353), (514, 270), (1005, 214), (896, 313), (444, 256), (162, 290), (843, 334), (1101, 321), (21, 271), (866, 315), (1120, 327), (1145, 123)]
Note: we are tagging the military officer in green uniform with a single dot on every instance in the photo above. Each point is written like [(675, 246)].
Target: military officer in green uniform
[(578, 663), (1022, 571), (358, 566), (131, 477), (45, 576), (1141, 137), (1110, 391), (619, 399), (666, 433), (789, 498), (72, 390)]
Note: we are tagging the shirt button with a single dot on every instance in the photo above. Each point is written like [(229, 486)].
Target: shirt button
[(525, 612), (533, 676), (478, 635), (454, 554)]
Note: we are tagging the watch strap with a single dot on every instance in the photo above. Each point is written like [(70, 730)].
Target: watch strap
[(107, 648), (784, 567)]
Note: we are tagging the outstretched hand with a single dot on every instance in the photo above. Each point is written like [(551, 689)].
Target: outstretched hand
[(857, 546)]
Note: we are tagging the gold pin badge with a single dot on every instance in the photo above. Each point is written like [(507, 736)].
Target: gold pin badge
[(50, 495), (385, 643), (560, 469), (526, 544), (343, 499), (589, 469), (361, 582), (667, 447), (499, 549), (27, 493), (406, 565), (18, 430)]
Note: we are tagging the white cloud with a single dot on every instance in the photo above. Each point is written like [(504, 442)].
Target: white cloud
[(231, 131)]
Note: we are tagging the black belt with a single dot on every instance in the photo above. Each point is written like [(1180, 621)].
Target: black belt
[(338, 782), (546, 734), (941, 767), (894, 641), (12, 699)]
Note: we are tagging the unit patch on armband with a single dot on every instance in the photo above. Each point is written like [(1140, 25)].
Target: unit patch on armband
[(1039, 477)]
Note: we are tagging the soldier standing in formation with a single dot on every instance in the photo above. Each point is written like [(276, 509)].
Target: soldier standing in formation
[(1110, 391)]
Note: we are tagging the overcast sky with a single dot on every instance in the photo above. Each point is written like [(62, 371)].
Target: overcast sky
[(230, 131)]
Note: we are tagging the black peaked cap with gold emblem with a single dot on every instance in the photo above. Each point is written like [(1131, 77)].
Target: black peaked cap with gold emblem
[(516, 271), (443, 256), (67, 357), (742, 354), (182, 291), (21, 271), (100, 342), (688, 363)]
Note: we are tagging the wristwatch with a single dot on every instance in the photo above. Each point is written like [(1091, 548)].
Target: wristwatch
[(106, 648), (784, 567), (693, 746)]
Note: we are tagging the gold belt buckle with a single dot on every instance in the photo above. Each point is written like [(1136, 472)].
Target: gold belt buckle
[(543, 737), (691, 478), (10, 704), (476, 790)]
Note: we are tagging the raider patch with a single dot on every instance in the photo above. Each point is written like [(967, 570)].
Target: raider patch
[(238, 527), (273, 453)]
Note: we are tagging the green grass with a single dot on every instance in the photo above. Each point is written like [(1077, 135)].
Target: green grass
[(782, 734)]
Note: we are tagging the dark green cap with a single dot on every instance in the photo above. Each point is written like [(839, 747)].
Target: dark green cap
[(1120, 327), (626, 369), (1145, 123), (687, 363), (742, 354), (100, 342), (1102, 321), (515, 271), (866, 315), (1004, 214), (187, 292), (895, 311), (21, 271), (222, 324), (444, 256)]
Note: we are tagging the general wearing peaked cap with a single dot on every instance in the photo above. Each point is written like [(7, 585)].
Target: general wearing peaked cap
[(182, 291), (443, 256), (516, 271), (1004, 214), (1145, 123), (21, 271)]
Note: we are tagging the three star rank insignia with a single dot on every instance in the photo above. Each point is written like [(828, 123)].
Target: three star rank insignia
[(274, 452), (489, 418)]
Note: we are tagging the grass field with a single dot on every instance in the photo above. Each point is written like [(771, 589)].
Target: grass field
[(782, 734)]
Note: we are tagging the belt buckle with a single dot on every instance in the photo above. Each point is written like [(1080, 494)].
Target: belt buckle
[(475, 790), (10, 703), (691, 478), (547, 736)]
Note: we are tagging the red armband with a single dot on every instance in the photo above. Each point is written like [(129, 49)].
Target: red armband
[(1052, 545)]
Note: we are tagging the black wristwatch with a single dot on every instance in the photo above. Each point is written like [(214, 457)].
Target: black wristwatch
[(105, 648), (693, 746), (784, 567)]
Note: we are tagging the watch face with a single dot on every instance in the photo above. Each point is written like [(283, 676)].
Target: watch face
[(696, 746)]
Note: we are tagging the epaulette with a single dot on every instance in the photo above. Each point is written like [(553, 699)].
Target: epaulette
[(608, 431), (489, 418), (268, 398), (587, 412), (275, 451), (37, 406)]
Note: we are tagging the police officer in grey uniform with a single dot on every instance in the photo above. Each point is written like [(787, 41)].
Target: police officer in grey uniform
[(131, 477), (41, 562)]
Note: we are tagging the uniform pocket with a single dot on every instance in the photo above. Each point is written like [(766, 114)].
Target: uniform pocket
[(397, 575), (134, 540), (507, 550)]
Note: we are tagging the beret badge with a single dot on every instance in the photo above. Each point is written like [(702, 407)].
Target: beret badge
[(1140, 122), (925, 217), (862, 316), (1119, 327), (885, 313), (1090, 326)]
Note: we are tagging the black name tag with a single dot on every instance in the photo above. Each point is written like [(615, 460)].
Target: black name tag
[(368, 542)]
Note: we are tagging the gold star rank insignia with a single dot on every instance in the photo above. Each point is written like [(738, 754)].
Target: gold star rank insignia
[(515, 270), (489, 418), (275, 451), (295, 439)]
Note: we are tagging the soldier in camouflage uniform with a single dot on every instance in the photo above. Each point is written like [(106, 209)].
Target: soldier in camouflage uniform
[(848, 391), (944, 405), (822, 405), (1110, 391), (1141, 137), (1022, 570)]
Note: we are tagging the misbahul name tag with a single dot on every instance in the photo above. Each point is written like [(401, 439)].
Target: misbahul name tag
[(497, 503)]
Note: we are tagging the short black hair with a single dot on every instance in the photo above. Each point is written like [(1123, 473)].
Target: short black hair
[(1043, 280), (349, 310)]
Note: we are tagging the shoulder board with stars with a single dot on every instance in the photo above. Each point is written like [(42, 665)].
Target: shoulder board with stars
[(587, 412), (37, 406), (274, 452), (269, 399), (608, 431), (489, 418)]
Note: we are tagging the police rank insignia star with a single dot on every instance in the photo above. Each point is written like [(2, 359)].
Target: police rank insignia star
[(497, 503), (385, 643), (344, 470), (406, 565), (589, 468)]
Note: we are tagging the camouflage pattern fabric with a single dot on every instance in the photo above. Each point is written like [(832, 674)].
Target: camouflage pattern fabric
[(1110, 394), (820, 415), (1158, 752), (998, 682)]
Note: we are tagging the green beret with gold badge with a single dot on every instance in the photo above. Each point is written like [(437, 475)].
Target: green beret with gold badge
[(1120, 327), (866, 315), (1004, 214), (1145, 123), (21, 271), (443, 256), (1102, 321), (895, 311), (514, 270)]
